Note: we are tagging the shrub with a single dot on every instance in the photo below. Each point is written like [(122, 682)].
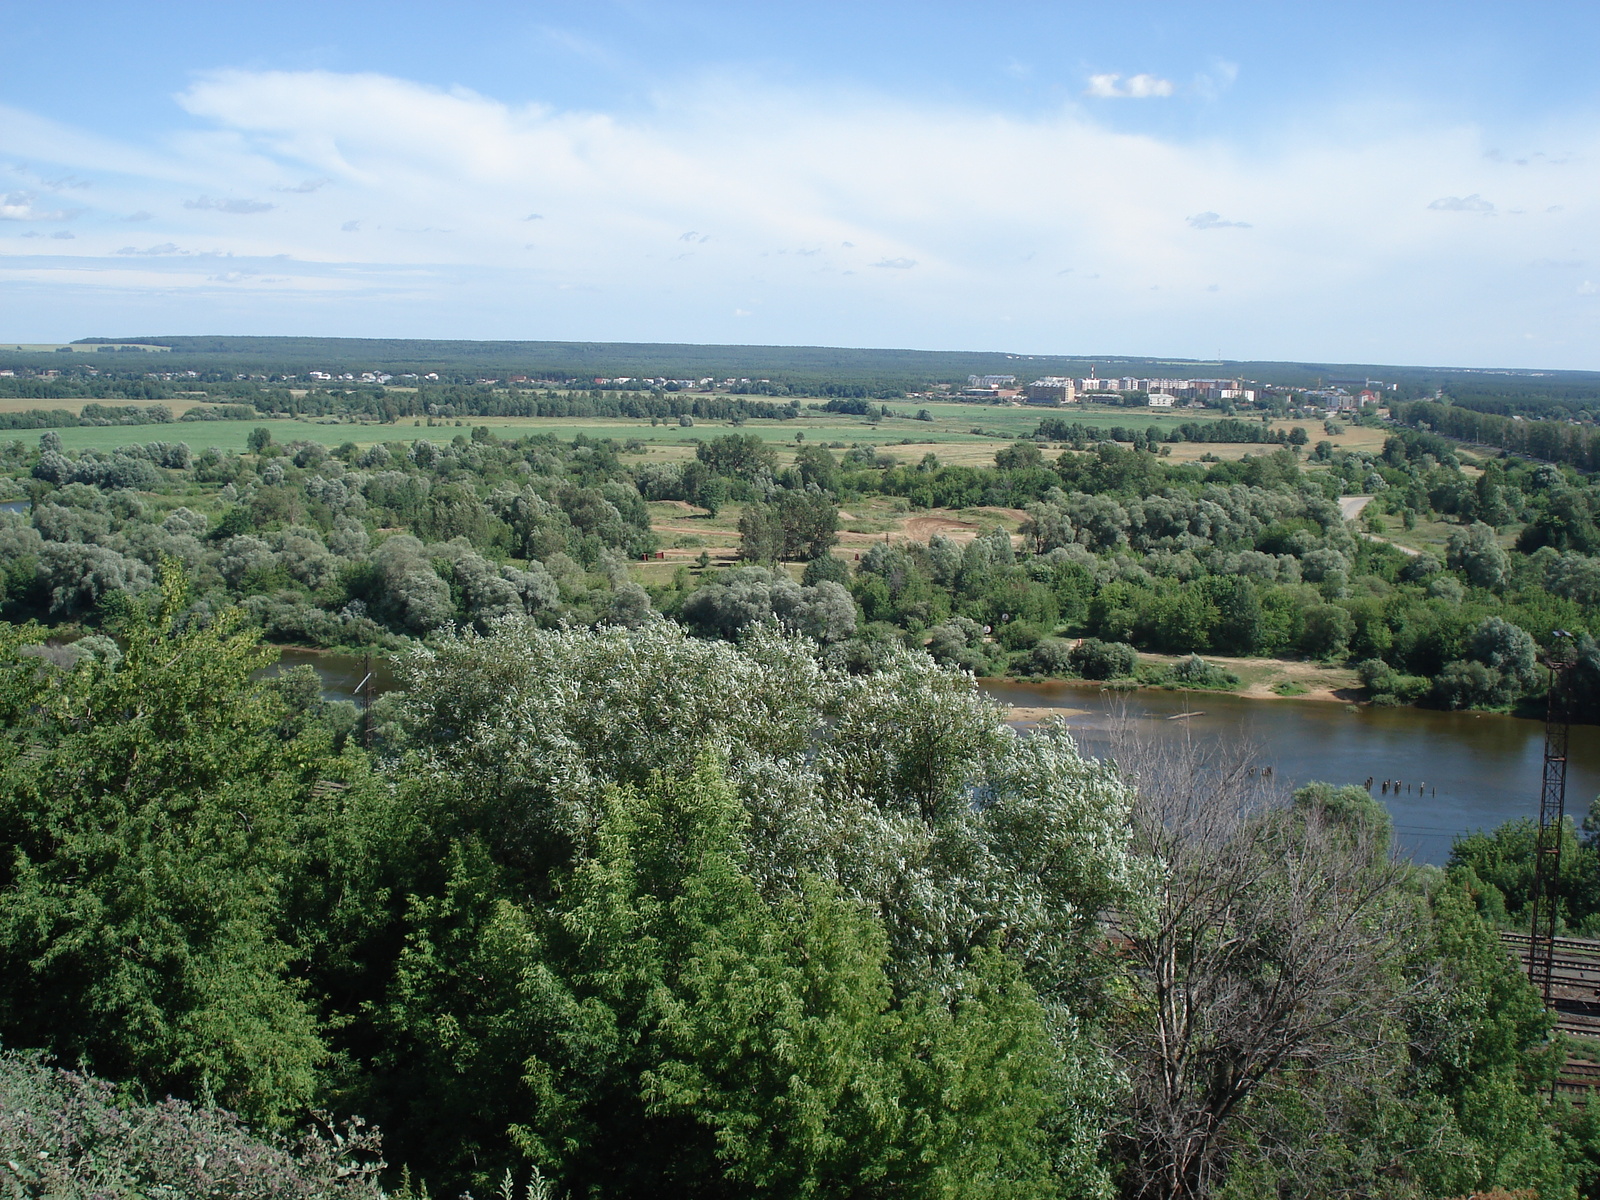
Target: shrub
[(65, 1134), (1094, 659), (1051, 656), (1196, 672)]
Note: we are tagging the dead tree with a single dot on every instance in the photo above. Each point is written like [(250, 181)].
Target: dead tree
[(1266, 946)]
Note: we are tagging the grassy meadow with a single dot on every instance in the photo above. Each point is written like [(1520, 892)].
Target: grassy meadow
[(960, 434)]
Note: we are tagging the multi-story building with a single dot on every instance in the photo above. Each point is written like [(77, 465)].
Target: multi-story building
[(1052, 389)]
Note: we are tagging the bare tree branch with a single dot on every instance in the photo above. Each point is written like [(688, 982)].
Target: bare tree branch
[(1267, 944)]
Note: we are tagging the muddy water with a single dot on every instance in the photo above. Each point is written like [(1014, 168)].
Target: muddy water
[(1474, 770)]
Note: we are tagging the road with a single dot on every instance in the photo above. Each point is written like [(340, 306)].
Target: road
[(1350, 507)]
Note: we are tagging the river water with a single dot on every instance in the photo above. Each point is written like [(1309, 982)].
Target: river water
[(1478, 769)]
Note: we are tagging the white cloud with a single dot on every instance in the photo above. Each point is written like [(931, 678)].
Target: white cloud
[(306, 188), (1332, 267), (1473, 203), (1136, 87), (1211, 220), (24, 206)]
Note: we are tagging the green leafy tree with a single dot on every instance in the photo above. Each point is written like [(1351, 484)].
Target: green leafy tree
[(760, 533), (739, 455), (151, 813), (661, 1027)]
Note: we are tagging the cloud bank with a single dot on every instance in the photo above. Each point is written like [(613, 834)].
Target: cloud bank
[(1058, 233)]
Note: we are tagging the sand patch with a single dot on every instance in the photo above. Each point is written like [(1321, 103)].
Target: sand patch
[(921, 529), (1034, 714)]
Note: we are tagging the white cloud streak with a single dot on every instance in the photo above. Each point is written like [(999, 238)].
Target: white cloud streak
[(1211, 220), (1473, 204), (1137, 87), (791, 197)]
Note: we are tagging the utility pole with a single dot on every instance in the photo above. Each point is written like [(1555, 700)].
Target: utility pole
[(1552, 814)]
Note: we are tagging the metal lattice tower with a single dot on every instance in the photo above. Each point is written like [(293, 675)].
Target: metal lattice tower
[(1552, 814)]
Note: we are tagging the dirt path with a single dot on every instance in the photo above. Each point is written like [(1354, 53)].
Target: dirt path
[(1350, 506), (1406, 550), (921, 529)]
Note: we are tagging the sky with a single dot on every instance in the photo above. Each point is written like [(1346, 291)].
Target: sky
[(1412, 183)]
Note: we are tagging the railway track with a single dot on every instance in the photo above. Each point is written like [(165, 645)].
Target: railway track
[(1575, 997)]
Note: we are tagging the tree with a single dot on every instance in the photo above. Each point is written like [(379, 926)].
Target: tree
[(1094, 659), (1490, 488), (801, 524), (753, 596), (817, 467), (1239, 628), (1476, 553), (810, 522), (1326, 631), (1021, 455), (152, 816), (260, 438), (740, 455), (660, 1027), (826, 569), (760, 533), (1267, 947)]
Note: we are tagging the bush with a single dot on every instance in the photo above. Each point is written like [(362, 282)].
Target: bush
[(826, 569), (1196, 672), (1094, 659), (1052, 656), (1019, 635), (1387, 687), (1465, 684), (64, 1134)]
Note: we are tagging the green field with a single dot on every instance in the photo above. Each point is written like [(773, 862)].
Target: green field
[(953, 424)]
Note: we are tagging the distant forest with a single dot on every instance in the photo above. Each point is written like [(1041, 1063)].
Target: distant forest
[(796, 370)]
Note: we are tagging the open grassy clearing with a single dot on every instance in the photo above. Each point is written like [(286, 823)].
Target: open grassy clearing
[(178, 405), (687, 532), (949, 435)]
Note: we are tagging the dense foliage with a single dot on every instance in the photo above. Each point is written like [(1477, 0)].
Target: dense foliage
[(1120, 548), (627, 912)]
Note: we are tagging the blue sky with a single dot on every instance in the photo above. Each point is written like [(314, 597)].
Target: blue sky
[(1411, 183)]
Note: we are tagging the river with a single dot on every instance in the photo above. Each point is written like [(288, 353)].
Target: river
[(1479, 769)]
